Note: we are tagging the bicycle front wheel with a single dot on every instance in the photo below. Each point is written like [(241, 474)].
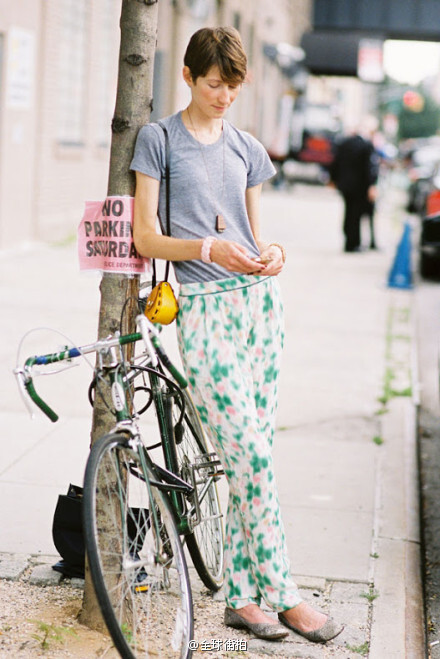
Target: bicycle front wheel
[(135, 555), (206, 542)]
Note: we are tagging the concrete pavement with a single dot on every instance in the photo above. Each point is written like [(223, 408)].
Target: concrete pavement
[(346, 463)]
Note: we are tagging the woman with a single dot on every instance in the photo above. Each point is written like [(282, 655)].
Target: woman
[(230, 320)]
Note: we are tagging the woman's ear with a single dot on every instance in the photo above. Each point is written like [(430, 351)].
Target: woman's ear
[(186, 72)]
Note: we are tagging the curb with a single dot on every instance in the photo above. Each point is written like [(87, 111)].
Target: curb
[(398, 625), (14, 566)]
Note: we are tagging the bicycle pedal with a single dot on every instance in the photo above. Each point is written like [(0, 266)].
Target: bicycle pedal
[(210, 463), (141, 588)]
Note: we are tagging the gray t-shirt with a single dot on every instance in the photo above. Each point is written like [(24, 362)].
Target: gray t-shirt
[(202, 186)]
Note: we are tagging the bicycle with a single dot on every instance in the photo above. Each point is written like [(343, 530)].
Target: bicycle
[(135, 509)]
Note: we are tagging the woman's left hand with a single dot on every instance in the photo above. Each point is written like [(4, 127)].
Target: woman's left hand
[(276, 264)]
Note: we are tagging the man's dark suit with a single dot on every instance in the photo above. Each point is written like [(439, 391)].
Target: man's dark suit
[(353, 171)]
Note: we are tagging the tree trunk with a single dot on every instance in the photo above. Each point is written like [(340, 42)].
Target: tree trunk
[(133, 105)]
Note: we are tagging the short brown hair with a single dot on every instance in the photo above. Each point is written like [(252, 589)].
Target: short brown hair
[(222, 47)]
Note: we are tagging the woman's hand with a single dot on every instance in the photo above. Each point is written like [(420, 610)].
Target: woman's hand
[(275, 264), (234, 257)]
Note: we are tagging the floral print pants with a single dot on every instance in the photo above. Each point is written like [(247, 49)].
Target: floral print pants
[(230, 335)]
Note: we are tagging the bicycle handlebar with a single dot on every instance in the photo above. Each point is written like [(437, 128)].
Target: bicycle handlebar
[(148, 333), (44, 407)]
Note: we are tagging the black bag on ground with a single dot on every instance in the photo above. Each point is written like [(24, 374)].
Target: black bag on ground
[(67, 533)]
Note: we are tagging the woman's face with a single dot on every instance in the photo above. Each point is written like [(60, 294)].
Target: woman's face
[(210, 94)]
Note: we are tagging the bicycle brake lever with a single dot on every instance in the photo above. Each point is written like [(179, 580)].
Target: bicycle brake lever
[(21, 378)]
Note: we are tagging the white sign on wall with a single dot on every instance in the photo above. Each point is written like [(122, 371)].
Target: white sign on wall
[(370, 60), (20, 72)]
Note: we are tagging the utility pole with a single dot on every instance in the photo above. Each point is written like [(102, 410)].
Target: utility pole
[(134, 99)]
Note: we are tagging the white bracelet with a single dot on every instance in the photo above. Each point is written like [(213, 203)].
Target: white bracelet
[(281, 248), (206, 249)]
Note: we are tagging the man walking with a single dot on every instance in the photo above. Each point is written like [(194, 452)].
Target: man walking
[(354, 172)]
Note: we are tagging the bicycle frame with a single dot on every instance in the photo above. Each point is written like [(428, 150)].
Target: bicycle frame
[(163, 391), (110, 363)]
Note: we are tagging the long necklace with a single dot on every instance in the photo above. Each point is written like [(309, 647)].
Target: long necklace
[(220, 224)]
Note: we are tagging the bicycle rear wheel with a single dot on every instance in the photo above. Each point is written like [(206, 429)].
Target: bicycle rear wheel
[(136, 558), (206, 542)]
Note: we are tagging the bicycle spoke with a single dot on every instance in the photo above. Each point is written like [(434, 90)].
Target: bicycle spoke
[(205, 543), (136, 557)]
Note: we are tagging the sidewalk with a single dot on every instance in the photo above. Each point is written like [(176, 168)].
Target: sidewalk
[(345, 463)]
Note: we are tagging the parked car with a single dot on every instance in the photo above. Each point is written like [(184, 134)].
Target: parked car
[(429, 246), (422, 163), (312, 133)]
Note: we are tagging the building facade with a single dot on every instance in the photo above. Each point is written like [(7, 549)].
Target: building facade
[(58, 76)]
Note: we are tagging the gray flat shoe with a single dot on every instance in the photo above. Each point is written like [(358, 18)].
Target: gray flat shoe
[(270, 632), (325, 633)]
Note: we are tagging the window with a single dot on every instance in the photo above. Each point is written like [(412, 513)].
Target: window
[(106, 81), (71, 92)]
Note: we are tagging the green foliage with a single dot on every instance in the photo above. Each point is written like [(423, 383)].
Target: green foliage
[(389, 391), (387, 388), (403, 392), (419, 124), (127, 631), (48, 633), (360, 649), (378, 440), (371, 595)]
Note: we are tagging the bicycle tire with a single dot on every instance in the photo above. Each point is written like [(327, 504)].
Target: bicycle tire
[(144, 594), (206, 542)]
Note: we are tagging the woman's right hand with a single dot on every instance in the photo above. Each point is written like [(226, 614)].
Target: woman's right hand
[(234, 257)]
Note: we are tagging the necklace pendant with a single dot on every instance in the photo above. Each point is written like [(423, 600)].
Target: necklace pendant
[(220, 224)]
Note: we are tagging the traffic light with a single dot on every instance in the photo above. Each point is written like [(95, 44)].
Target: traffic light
[(413, 101)]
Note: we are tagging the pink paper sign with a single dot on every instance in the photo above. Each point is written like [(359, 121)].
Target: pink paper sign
[(105, 237)]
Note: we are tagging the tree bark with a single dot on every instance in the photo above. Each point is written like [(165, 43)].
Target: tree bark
[(138, 26)]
